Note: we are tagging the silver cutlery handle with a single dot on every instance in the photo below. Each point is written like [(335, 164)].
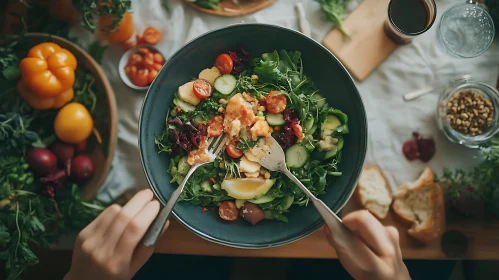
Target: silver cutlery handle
[(341, 235), (156, 228)]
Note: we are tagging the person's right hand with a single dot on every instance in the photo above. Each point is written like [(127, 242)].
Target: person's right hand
[(379, 256)]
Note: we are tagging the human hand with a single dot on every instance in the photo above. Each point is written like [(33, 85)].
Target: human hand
[(110, 247), (379, 256)]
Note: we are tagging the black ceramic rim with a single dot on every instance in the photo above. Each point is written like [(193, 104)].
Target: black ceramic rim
[(314, 226)]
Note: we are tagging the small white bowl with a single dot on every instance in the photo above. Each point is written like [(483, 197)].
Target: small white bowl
[(124, 60)]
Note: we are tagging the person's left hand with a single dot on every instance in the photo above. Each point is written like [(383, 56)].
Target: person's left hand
[(110, 247)]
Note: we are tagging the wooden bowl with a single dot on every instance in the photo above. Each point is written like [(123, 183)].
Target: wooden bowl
[(227, 8), (101, 154)]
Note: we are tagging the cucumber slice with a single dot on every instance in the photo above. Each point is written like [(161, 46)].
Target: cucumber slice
[(308, 124), (206, 186), (263, 199), (296, 156), (186, 107), (340, 143), (321, 101), (275, 119), (225, 84), (183, 167), (331, 123), (331, 153), (240, 203), (289, 201), (343, 129)]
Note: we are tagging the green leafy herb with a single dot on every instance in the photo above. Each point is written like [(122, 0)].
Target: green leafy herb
[(483, 179), (92, 9), (335, 12), (245, 144), (207, 4)]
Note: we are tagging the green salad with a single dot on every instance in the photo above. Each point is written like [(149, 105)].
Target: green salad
[(249, 100)]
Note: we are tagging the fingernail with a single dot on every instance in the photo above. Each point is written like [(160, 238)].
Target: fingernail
[(327, 230)]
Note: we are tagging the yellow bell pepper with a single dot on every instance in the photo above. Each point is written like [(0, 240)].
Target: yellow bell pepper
[(43, 103), (48, 70)]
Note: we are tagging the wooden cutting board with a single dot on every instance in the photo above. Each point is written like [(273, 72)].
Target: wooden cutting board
[(368, 45)]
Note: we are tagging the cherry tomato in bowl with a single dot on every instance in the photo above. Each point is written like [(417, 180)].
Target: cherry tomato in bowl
[(139, 66), (202, 88), (224, 63), (233, 151)]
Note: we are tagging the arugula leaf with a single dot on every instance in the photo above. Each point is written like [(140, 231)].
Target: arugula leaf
[(245, 144)]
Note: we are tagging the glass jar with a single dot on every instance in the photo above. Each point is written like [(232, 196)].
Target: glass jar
[(455, 136)]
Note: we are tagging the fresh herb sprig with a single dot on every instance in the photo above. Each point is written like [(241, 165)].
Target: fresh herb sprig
[(334, 10), (483, 180), (92, 9)]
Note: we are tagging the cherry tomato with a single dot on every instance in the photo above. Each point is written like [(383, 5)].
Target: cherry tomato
[(143, 51), (135, 59), (216, 126), (151, 35), (152, 75), (158, 58), (228, 211), (156, 67), (233, 151), (130, 44), (148, 63), (202, 88), (224, 63), (131, 71), (275, 104), (142, 78)]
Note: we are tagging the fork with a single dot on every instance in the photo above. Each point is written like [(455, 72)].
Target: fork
[(213, 148), (275, 160)]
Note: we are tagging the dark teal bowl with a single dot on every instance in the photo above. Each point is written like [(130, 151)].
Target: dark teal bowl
[(334, 83)]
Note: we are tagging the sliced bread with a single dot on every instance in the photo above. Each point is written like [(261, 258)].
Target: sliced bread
[(373, 191), (421, 204)]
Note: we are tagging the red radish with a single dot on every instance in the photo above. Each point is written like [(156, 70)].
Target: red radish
[(41, 160), (81, 147), (82, 168), (63, 151)]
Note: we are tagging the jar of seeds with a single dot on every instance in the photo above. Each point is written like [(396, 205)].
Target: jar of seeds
[(467, 113)]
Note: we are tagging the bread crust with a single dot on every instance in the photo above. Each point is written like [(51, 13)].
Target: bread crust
[(435, 226), (358, 195)]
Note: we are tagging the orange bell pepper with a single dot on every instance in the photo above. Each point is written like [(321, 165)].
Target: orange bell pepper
[(48, 70), (43, 103)]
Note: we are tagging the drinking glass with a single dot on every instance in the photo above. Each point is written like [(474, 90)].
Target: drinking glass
[(402, 14), (466, 30)]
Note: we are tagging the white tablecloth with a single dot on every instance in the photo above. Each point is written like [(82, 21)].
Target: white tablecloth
[(391, 120)]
